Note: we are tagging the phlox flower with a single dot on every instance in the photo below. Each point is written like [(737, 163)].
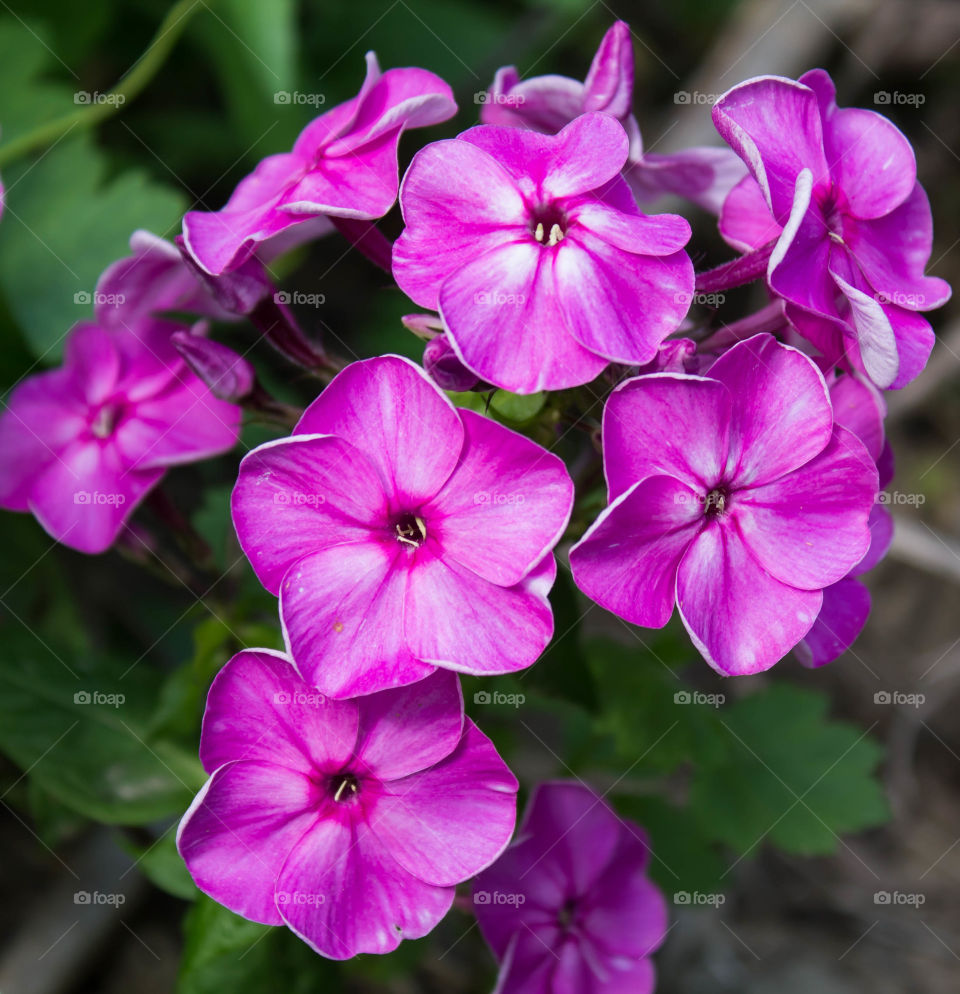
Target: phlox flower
[(351, 822)]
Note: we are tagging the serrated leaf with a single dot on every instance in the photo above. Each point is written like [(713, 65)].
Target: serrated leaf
[(789, 775)]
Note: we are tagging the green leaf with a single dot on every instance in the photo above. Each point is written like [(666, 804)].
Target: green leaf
[(224, 952), (787, 774), (66, 223), (516, 407), (162, 865), (82, 735)]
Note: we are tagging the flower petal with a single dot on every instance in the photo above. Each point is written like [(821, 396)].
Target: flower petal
[(642, 234), (408, 729), (239, 831), (460, 621), (542, 103), (665, 423), (296, 495), (745, 219), (704, 176), (504, 507), (609, 83), (355, 897), (627, 561), (846, 607), (342, 611), (450, 821), (782, 416), (740, 618), (504, 322), (881, 535), (259, 708), (391, 411)]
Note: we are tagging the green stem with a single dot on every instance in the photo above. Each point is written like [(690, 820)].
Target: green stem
[(127, 89)]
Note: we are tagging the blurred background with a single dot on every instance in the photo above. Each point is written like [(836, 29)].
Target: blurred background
[(861, 889)]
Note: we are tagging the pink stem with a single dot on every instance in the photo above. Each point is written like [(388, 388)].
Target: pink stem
[(368, 238), (744, 269)]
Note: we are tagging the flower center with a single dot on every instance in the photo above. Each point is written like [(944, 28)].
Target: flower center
[(833, 216), (344, 787), (548, 225), (566, 914), (105, 421), (715, 503), (411, 530)]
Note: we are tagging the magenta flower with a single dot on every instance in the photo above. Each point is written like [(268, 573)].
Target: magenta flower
[(836, 191), (569, 907), (703, 176), (351, 822), (734, 495), (858, 407), (344, 164), (532, 249), (402, 534), (81, 445)]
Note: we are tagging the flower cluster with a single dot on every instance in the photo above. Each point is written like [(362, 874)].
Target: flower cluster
[(410, 536)]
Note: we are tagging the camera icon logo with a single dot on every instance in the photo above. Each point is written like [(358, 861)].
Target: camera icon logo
[(482, 697), (82, 697), (481, 897)]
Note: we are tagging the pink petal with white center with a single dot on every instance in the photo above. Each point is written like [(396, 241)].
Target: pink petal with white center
[(846, 607), (870, 161), (452, 820), (458, 202), (354, 897), (745, 219), (408, 729), (627, 561), (390, 410), (84, 496), (342, 610), (258, 708), (665, 423), (504, 507), (618, 304), (504, 322), (739, 617), (239, 831), (809, 528), (654, 234), (296, 495), (781, 416), (894, 250), (462, 622), (773, 124), (185, 423)]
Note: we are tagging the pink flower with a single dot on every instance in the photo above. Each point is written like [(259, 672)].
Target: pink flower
[(860, 408), (703, 176), (568, 907), (532, 249), (402, 534), (836, 190), (734, 495), (351, 822), (344, 164), (81, 445)]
